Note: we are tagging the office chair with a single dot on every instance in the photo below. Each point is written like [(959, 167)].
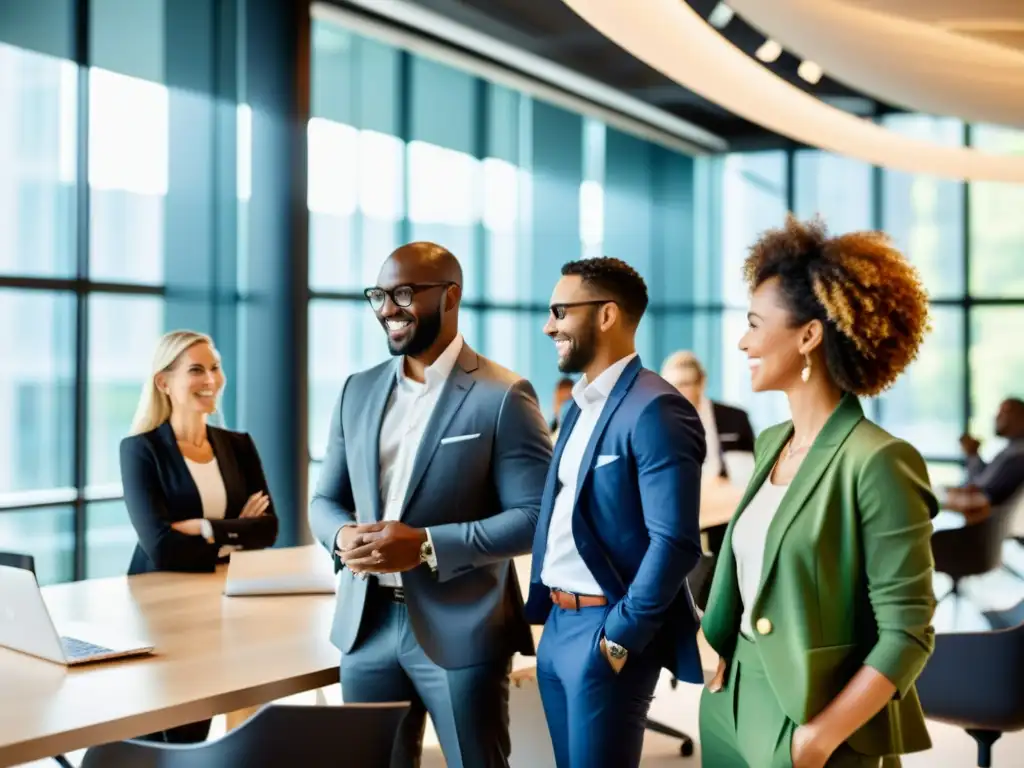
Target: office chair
[(18, 560), (28, 563), (972, 550), (700, 586), (972, 681), (357, 735)]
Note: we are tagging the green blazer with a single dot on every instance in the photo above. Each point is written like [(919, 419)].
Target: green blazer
[(847, 577)]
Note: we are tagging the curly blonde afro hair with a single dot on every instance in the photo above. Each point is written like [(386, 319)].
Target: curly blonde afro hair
[(868, 297)]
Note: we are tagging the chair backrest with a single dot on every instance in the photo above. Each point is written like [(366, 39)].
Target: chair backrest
[(972, 680), (356, 735), (17, 560), (1015, 507), (974, 549)]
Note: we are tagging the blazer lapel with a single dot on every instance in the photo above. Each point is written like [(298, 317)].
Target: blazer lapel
[(547, 500), (376, 405), (453, 393), (227, 463), (842, 421), (614, 401), (181, 478)]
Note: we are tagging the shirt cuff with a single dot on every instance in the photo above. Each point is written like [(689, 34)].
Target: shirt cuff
[(432, 557), (206, 527)]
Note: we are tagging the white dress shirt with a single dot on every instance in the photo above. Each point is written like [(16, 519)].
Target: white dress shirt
[(749, 536), (405, 418), (563, 567), (713, 456)]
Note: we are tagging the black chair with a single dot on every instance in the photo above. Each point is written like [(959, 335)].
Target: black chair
[(973, 681), (28, 563), (17, 560), (699, 580), (973, 550), (357, 735)]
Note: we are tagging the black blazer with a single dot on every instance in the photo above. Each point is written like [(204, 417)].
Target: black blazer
[(159, 490), (734, 430)]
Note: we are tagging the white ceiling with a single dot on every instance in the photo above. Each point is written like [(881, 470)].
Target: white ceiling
[(962, 58), (671, 37)]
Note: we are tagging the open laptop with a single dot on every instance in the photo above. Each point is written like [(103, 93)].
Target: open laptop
[(285, 571), (26, 626)]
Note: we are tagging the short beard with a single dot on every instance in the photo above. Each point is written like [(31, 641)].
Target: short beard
[(581, 353), (428, 328)]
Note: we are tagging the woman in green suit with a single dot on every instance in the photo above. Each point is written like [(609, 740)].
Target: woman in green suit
[(821, 604)]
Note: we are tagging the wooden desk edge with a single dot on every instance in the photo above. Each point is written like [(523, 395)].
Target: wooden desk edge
[(42, 747)]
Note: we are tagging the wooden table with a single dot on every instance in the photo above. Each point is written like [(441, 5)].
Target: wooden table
[(214, 654)]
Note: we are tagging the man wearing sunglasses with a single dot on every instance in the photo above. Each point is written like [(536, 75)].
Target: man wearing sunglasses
[(431, 484), (619, 527)]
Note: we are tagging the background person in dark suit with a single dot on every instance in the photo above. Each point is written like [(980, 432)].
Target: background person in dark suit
[(193, 491), (725, 428), (618, 530), (431, 484), (563, 394)]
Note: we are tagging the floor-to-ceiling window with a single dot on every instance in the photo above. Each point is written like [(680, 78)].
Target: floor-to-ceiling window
[(120, 198), (403, 147)]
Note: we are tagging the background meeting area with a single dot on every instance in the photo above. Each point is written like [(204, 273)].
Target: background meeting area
[(243, 167)]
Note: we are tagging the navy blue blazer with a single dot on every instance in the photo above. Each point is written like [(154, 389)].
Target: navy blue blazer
[(159, 490), (637, 518)]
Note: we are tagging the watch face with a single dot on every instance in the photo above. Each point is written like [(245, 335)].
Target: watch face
[(616, 651)]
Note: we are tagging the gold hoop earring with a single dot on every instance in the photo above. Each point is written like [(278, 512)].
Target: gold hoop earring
[(805, 374)]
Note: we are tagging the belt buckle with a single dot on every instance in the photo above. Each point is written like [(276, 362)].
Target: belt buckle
[(574, 596), (398, 594)]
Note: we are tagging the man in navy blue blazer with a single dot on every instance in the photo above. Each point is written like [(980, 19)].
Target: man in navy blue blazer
[(619, 527)]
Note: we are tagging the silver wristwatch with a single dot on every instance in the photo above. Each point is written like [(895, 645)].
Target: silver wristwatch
[(427, 554), (616, 651)]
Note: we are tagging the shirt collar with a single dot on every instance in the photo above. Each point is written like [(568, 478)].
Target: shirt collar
[(591, 393), (438, 371)]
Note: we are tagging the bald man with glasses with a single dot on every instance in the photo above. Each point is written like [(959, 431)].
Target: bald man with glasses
[(432, 483)]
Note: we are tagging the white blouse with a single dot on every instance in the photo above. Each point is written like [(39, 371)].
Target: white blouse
[(749, 536), (212, 492)]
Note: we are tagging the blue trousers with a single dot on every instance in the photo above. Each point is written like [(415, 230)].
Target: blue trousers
[(468, 706), (596, 717)]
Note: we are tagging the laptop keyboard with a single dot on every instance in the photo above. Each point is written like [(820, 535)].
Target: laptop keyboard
[(79, 649)]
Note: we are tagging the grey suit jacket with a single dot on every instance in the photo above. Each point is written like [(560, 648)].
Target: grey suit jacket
[(480, 497)]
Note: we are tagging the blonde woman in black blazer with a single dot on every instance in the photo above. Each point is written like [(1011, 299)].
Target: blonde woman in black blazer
[(194, 492)]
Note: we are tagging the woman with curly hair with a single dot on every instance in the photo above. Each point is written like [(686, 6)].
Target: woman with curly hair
[(821, 604)]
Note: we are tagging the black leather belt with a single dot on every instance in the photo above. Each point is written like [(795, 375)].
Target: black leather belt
[(391, 594)]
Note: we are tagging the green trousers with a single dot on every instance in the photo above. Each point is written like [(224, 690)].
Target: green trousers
[(743, 726)]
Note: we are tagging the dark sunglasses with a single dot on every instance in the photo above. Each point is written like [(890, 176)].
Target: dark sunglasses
[(401, 295), (558, 311)]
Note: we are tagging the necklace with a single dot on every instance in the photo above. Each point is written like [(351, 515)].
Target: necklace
[(793, 449)]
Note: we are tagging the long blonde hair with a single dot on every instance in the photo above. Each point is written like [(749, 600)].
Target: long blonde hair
[(155, 406)]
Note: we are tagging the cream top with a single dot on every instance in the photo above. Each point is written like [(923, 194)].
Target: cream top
[(749, 536)]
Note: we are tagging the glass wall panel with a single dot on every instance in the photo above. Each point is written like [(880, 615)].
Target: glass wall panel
[(835, 187), (109, 539), (754, 195), (36, 392), (925, 215), (48, 535), (997, 221), (38, 155), (123, 332), (926, 405), (997, 368)]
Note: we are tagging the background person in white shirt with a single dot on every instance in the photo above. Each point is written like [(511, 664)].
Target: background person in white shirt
[(431, 484), (619, 527)]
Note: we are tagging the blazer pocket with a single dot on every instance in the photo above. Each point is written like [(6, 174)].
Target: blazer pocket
[(604, 461), (459, 438), (829, 669)]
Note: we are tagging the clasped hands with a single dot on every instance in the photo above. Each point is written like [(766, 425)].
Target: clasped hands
[(382, 547)]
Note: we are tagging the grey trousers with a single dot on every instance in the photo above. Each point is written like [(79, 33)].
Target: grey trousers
[(468, 706)]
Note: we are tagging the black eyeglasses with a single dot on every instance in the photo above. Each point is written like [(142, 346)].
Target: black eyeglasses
[(401, 295), (558, 310)]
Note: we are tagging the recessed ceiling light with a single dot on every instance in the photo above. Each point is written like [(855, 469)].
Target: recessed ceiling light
[(809, 71), (769, 51), (720, 15)]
